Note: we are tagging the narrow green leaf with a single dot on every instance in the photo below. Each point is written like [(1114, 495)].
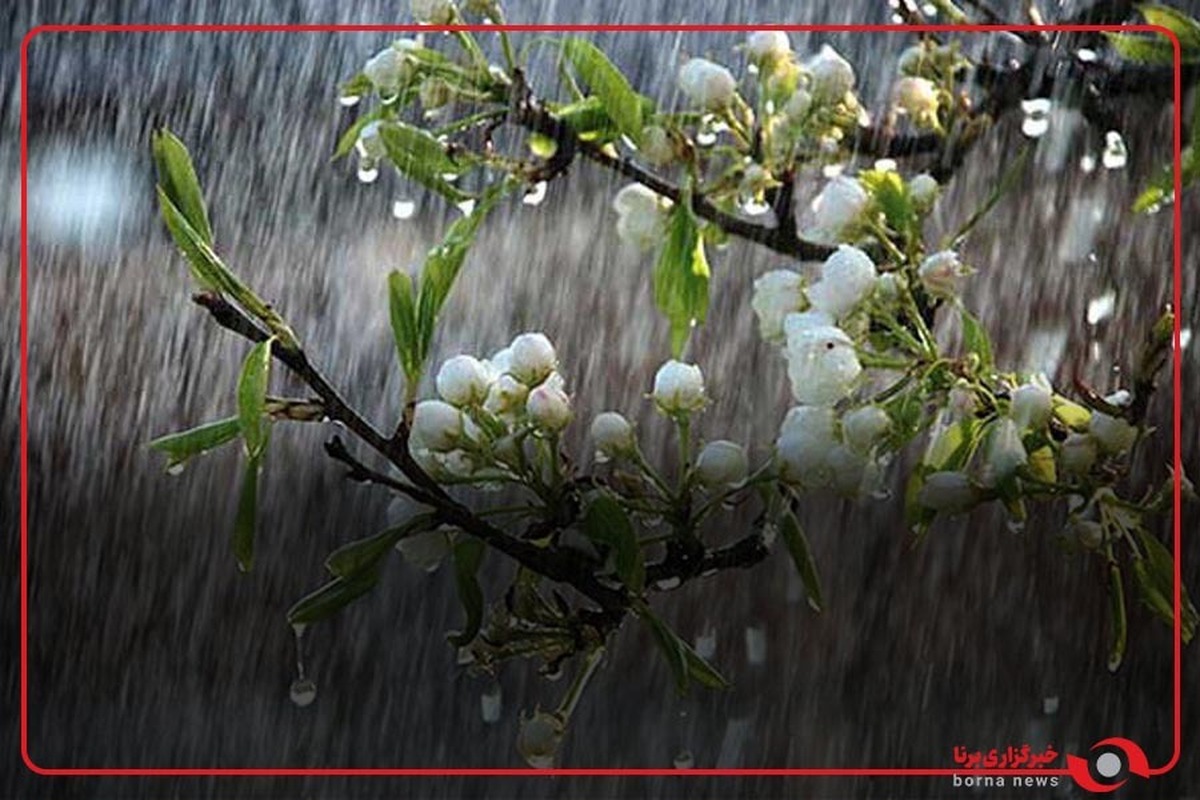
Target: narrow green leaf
[(350, 138), (681, 275), (801, 553), (422, 158), (179, 447), (443, 263), (671, 646), (605, 521), (621, 102), (976, 339), (364, 554), (890, 193), (1142, 49), (331, 598), (178, 180), (1184, 27), (468, 555), (402, 309), (701, 671), (1155, 574), (252, 398), (1118, 624), (246, 521)]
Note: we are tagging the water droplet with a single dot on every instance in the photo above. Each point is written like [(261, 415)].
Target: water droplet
[(298, 629), (491, 703), (1050, 705), (1115, 154), (536, 195), (1037, 117), (1016, 526), (466, 207), (388, 99), (349, 100), (929, 9), (303, 692), (831, 171), (1102, 307), (1087, 163), (465, 656), (450, 176), (706, 643), (1185, 338), (367, 172), (756, 644), (667, 584), (1086, 55), (403, 209), (684, 759), (897, 19), (706, 138), (754, 208), (175, 468)]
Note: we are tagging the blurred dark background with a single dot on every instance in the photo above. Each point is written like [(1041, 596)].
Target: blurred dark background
[(148, 649)]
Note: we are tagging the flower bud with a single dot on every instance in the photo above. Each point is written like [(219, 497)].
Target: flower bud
[(1030, 405), (863, 427), (722, 463), (678, 388), (709, 86), (613, 435), (797, 106), (1005, 452), (549, 407), (1077, 453), (463, 381), (767, 47), (425, 550), (837, 209), (847, 278), (923, 189), (656, 146), (776, 294), (533, 358), (436, 425), (832, 75), (941, 274), (539, 738), (1088, 532), (822, 365), (506, 396), (947, 491), (916, 97), (911, 58), (805, 439), (1114, 435), (641, 215), (847, 469), (433, 12), (386, 70)]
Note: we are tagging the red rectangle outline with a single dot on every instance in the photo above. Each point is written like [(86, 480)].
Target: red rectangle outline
[(575, 28)]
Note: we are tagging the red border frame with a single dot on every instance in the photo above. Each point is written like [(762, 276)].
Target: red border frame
[(544, 28)]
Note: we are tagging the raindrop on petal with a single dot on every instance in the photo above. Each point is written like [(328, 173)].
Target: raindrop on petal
[(491, 703), (684, 759), (349, 100), (367, 172), (303, 692)]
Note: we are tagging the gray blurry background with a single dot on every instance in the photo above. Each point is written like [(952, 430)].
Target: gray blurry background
[(147, 648)]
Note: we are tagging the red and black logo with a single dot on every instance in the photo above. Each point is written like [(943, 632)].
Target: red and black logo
[(1109, 765)]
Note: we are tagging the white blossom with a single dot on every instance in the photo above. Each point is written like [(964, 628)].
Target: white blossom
[(641, 215), (822, 365), (433, 12), (506, 396), (386, 69), (436, 425), (765, 47), (795, 323), (832, 75), (1031, 404), (463, 381), (776, 294), (947, 491), (532, 358), (549, 407), (837, 208), (923, 189), (805, 440), (847, 277), (916, 97), (709, 86), (613, 435), (1078, 453), (798, 105), (941, 273), (1114, 435), (722, 463), (1005, 453), (655, 145), (863, 427), (679, 388)]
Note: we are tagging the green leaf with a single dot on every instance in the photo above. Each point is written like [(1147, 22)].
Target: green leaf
[(177, 178), (1071, 414), (1118, 624), (246, 521), (605, 521), (681, 275), (1142, 49), (891, 195), (252, 398), (1186, 29), (906, 410), (672, 648), (179, 447), (402, 309), (422, 158), (1162, 187), (952, 448), (350, 138), (701, 671), (1155, 576), (1041, 464), (358, 86), (468, 555), (331, 598), (443, 263), (360, 555), (976, 339), (542, 146), (802, 557), (621, 102)]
